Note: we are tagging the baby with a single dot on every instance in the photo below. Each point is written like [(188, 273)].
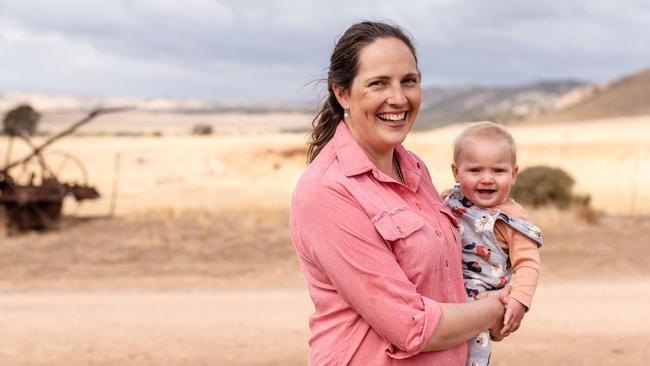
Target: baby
[(498, 240)]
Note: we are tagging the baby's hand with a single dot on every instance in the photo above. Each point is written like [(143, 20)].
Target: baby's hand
[(515, 312)]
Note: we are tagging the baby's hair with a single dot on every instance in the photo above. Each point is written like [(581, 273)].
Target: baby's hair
[(484, 129)]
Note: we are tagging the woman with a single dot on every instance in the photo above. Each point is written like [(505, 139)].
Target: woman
[(378, 247)]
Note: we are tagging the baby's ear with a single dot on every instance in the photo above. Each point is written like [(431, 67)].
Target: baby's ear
[(454, 171), (515, 171)]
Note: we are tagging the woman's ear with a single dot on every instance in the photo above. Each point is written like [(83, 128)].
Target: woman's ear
[(342, 96)]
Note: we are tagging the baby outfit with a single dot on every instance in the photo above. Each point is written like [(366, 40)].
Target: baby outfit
[(496, 243)]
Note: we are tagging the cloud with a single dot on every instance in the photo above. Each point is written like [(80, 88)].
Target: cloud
[(497, 42), (270, 49)]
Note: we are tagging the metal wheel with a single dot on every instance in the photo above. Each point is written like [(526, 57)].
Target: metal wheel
[(55, 163)]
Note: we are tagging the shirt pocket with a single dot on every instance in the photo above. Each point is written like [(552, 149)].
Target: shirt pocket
[(397, 223)]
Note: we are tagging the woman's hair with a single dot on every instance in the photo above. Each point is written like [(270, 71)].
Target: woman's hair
[(484, 129), (344, 65)]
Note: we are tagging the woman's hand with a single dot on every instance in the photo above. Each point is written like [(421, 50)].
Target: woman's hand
[(498, 331), (462, 321)]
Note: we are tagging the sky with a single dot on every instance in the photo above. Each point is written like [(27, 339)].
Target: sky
[(278, 50)]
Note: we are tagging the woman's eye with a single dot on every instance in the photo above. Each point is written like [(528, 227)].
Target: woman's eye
[(410, 81), (377, 83)]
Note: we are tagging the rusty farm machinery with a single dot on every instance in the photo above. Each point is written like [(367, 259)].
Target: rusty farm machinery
[(31, 191)]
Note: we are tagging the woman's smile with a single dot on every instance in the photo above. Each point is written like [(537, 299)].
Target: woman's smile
[(393, 117)]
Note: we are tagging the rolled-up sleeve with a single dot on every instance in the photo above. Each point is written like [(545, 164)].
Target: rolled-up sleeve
[(342, 241)]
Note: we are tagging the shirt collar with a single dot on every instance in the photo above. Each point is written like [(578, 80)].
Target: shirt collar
[(355, 161)]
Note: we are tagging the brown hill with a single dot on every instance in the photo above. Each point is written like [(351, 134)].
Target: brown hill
[(446, 105), (628, 96)]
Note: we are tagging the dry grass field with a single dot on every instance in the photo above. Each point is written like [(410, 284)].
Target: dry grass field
[(196, 266), (609, 159)]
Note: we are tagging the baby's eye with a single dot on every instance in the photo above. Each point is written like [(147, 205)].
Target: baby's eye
[(475, 170), (499, 170)]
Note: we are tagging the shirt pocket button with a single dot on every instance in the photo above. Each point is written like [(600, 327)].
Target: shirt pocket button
[(439, 233), (397, 224)]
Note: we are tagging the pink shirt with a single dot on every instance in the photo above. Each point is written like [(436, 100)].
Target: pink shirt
[(378, 257)]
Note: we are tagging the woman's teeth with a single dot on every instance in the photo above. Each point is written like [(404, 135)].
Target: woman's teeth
[(392, 116)]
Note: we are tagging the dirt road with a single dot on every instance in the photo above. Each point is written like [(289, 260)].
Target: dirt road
[(575, 323), (174, 292)]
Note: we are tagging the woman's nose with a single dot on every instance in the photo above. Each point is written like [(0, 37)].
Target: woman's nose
[(396, 96)]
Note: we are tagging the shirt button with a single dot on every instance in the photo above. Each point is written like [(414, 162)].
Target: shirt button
[(439, 233), (399, 230), (446, 262)]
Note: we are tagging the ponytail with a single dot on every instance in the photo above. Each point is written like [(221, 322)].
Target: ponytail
[(324, 126)]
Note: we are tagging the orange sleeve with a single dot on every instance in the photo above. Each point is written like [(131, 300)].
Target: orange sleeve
[(522, 251)]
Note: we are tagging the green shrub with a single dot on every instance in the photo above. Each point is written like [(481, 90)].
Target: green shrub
[(542, 185)]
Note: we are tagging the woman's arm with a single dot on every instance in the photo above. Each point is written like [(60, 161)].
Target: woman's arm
[(347, 255), (460, 322)]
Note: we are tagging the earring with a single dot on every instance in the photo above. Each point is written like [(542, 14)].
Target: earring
[(345, 115)]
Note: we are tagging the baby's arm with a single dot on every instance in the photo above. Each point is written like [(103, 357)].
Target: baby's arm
[(525, 261)]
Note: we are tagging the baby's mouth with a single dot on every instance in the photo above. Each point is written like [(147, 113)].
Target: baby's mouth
[(485, 191)]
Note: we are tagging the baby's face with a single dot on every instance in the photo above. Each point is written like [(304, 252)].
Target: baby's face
[(485, 171)]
